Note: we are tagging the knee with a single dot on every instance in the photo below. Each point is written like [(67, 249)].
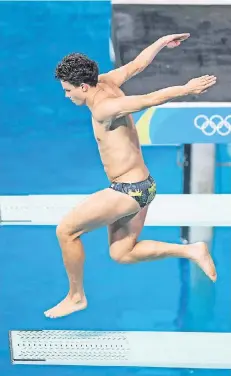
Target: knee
[(119, 255), (64, 233), (61, 232), (115, 257)]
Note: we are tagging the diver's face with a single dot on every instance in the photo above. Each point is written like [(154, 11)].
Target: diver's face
[(76, 94)]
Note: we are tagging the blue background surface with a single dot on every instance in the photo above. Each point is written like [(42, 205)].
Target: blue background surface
[(47, 147), (202, 124)]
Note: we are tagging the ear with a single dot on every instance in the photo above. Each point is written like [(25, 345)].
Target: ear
[(84, 87)]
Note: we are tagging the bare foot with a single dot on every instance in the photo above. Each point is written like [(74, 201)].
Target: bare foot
[(67, 306), (199, 253)]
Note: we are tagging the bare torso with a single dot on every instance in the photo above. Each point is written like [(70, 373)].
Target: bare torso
[(118, 143)]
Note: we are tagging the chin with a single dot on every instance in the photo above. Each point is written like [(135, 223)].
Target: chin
[(78, 103)]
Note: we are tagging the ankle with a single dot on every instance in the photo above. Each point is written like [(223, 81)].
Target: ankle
[(180, 250), (76, 296)]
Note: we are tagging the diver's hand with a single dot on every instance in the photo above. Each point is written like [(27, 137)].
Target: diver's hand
[(174, 40), (200, 84)]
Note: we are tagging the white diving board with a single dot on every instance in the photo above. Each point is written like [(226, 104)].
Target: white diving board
[(139, 349), (166, 209)]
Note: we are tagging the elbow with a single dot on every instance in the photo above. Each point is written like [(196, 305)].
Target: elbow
[(149, 101), (138, 66), (157, 99)]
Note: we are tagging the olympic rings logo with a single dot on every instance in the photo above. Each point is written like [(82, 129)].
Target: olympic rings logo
[(214, 124)]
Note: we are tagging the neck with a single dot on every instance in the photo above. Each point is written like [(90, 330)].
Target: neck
[(93, 91)]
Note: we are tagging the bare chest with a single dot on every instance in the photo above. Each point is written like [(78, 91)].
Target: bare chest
[(113, 130)]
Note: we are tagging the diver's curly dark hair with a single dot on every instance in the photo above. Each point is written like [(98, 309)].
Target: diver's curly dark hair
[(76, 69)]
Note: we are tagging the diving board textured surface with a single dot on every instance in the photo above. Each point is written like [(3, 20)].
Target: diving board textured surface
[(141, 349)]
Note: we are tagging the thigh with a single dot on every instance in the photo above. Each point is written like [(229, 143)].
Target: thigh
[(124, 232), (99, 209)]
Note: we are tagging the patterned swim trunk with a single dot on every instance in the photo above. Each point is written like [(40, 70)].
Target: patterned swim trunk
[(143, 192)]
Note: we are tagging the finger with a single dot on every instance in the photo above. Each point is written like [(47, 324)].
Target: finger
[(210, 78), (206, 76), (179, 37), (205, 82), (173, 44), (182, 37), (209, 75), (209, 84)]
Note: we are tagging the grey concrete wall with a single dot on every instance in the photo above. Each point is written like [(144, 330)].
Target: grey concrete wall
[(208, 51)]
